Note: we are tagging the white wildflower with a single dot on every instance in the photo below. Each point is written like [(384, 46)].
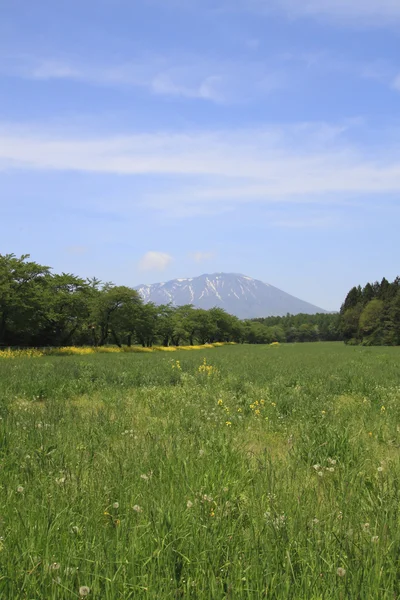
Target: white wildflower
[(375, 539)]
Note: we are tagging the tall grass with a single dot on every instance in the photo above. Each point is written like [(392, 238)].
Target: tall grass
[(244, 472)]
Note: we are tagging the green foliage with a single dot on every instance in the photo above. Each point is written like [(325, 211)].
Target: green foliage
[(294, 328), (371, 315), (41, 308), (264, 472)]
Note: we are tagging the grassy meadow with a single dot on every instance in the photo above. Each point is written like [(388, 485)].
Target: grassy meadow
[(226, 473)]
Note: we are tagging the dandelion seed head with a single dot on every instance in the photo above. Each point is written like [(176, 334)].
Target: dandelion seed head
[(84, 590), (341, 572), (116, 505), (137, 508), (189, 504), (20, 489), (375, 539)]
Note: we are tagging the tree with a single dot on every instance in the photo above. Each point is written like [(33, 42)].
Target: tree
[(147, 324), (22, 286), (373, 318), (115, 311), (349, 323), (370, 322), (64, 309)]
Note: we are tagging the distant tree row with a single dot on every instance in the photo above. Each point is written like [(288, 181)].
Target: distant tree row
[(321, 327), (41, 308), (371, 315)]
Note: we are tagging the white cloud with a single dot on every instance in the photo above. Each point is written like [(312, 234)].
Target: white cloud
[(305, 222), (396, 83), (191, 77), (155, 261), (163, 84), (372, 12), (54, 70), (216, 171), (200, 257)]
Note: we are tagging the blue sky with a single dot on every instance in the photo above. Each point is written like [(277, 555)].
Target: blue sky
[(151, 139)]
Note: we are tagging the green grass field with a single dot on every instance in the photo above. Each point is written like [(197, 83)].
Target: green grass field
[(266, 472)]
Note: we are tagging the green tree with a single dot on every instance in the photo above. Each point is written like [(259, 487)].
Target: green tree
[(22, 296), (115, 312), (370, 322)]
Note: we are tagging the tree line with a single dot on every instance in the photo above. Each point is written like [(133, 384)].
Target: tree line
[(321, 327), (41, 308), (370, 315)]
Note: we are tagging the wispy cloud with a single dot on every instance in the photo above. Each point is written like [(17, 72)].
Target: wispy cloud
[(372, 10), (154, 261), (307, 221), (192, 77), (50, 69), (396, 83), (201, 257), (358, 12), (216, 171)]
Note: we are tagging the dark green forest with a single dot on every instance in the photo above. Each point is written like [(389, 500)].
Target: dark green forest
[(371, 315), (41, 308)]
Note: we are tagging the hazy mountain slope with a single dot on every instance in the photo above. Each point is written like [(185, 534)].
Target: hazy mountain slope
[(239, 295)]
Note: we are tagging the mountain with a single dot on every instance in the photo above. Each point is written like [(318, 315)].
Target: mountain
[(239, 295)]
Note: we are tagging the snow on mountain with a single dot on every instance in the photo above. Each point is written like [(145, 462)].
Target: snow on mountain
[(239, 295)]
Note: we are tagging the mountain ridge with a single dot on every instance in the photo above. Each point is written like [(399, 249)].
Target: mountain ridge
[(240, 295)]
